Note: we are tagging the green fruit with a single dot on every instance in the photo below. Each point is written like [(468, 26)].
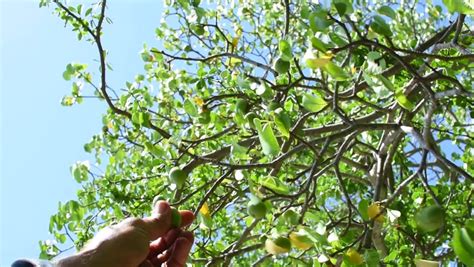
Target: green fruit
[(281, 66), (257, 209), (249, 119), (177, 176), (241, 106), (430, 218), (278, 245), (175, 218)]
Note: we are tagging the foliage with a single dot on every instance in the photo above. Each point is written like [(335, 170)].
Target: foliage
[(369, 105)]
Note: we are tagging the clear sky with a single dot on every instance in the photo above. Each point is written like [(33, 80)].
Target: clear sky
[(40, 139)]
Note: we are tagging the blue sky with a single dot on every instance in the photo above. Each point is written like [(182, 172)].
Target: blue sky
[(40, 139)]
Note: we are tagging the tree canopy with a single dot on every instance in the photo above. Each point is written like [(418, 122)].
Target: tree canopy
[(302, 133)]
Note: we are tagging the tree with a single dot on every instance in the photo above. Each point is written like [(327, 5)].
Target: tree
[(346, 126)]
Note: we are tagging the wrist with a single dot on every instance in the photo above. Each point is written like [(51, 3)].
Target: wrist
[(82, 259)]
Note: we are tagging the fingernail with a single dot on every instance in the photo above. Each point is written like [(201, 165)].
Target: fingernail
[(163, 207)]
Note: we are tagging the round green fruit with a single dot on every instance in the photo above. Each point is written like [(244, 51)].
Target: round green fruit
[(278, 245), (177, 176), (281, 66), (257, 209), (175, 218), (430, 218)]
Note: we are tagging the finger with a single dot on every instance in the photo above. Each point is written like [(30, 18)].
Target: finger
[(180, 250), (187, 217), (163, 243), (160, 222)]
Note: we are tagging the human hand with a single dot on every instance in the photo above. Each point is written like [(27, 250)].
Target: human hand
[(127, 244)]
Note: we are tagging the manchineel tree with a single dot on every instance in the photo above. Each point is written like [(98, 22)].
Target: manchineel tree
[(301, 133)]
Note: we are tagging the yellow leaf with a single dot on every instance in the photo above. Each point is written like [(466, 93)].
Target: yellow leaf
[(205, 209), (199, 101)]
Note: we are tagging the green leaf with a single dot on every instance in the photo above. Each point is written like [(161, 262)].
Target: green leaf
[(285, 50), (363, 206), (403, 101), (313, 103), (379, 26), (460, 6), (372, 258), (283, 122), (318, 21), (386, 82), (190, 108), (387, 11), (316, 43), (314, 62), (338, 73), (463, 246), (275, 185), (343, 7), (267, 138), (138, 117)]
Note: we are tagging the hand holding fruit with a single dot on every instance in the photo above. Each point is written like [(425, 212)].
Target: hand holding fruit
[(152, 241)]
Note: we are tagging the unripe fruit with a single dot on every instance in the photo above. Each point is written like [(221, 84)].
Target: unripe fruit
[(430, 218), (278, 245), (257, 209), (281, 66), (290, 217), (175, 218), (300, 241), (177, 176)]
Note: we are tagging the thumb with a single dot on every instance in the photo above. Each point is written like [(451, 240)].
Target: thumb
[(160, 222)]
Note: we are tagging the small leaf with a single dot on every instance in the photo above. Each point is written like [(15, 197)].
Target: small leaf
[(318, 44), (387, 11), (313, 103), (343, 7), (338, 73), (363, 206), (190, 108), (283, 122), (403, 101), (267, 139), (386, 82), (314, 62), (379, 26), (318, 21), (275, 185)]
